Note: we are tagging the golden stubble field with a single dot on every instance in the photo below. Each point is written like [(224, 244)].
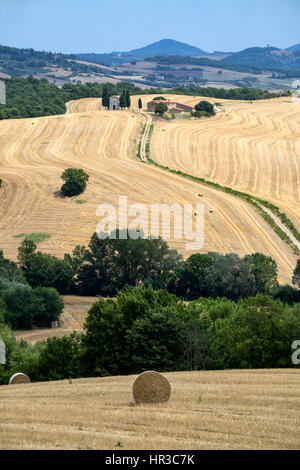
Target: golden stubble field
[(252, 147), (34, 153), (207, 410)]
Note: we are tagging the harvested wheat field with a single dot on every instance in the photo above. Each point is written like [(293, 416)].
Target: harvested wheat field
[(251, 147), (207, 410), (34, 153), (71, 319)]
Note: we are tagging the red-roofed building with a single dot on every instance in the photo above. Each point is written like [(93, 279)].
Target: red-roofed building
[(173, 106)]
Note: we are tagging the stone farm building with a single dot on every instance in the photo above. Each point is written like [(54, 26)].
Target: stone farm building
[(173, 106), (114, 102)]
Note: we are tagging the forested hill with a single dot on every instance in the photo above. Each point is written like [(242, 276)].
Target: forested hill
[(19, 62), (267, 57)]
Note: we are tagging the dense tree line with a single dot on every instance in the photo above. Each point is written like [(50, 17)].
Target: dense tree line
[(145, 329), (108, 264), (247, 94), (33, 98), (30, 97), (211, 311)]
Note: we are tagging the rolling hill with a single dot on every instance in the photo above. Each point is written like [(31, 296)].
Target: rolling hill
[(266, 57), (255, 150), (34, 153), (296, 47)]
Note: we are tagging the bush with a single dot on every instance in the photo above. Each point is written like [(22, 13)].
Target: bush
[(75, 182)]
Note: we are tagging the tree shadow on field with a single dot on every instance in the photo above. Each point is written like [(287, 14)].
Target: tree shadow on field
[(59, 194)]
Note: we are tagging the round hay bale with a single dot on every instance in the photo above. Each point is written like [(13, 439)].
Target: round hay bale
[(150, 387), (19, 379)]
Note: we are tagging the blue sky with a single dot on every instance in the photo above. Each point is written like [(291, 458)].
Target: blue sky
[(116, 25)]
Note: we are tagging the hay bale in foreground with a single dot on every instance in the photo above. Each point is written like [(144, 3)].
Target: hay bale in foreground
[(19, 378), (150, 387)]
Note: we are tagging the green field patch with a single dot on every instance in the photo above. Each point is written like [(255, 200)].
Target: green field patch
[(34, 237)]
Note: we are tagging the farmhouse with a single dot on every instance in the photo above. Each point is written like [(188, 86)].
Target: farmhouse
[(114, 102), (173, 106)]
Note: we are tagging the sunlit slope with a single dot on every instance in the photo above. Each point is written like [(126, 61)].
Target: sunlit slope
[(250, 147), (207, 410), (34, 153)]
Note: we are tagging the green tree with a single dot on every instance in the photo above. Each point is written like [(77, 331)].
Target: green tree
[(205, 106), (187, 281), (258, 335), (265, 271), (59, 358), (105, 97), (123, 100), (296, 276), (161, 109), (127, 99), (44, 270), (140, 107), (111, 264), (28, 307), (75, 182), (156, 341), (104, 346)]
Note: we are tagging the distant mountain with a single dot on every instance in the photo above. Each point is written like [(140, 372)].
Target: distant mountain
[(166, 47), (294, 48), (163, 47), (267, 57)]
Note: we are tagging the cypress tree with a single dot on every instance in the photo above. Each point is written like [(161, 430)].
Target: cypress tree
[(123, 100), (105, 97), (128, 100), (140, 104)]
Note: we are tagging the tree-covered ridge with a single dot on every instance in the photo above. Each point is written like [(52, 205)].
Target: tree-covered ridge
[(31, 97), (179, 60), (254, 60), (266, 57), (18, 62)]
